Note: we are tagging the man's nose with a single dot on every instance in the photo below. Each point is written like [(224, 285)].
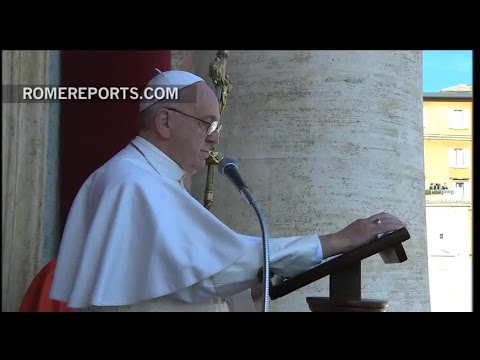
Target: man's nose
[(214, 138)]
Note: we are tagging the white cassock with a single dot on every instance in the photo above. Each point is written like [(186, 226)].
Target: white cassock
[(136, 240)]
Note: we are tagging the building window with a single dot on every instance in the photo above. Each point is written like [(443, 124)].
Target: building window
[(457, 120), (461, 189), (458, 158)]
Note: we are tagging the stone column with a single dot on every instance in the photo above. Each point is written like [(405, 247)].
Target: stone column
[(182, 60), (25, 139), (323, 138)]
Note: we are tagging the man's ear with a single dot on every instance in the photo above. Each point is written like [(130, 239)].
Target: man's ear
[(162, 123)]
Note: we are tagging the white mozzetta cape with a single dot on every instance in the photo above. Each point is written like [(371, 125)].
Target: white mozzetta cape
[(133, 234)]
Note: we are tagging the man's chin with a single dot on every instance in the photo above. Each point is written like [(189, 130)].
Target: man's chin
[(201, 164)]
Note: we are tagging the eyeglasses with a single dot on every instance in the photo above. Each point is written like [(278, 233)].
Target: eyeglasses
[(212, 127)]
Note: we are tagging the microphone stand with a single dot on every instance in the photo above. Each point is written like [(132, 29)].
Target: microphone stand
[(266, 254), (245, 191)]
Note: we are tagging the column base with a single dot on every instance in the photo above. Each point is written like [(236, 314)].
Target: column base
[(325, 304)]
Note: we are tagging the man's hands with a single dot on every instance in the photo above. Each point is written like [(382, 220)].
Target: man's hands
[(358, 233)]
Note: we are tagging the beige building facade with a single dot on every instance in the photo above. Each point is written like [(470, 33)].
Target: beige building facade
[(448, 146)]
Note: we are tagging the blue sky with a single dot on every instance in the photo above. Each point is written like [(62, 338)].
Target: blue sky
[(445, 68)]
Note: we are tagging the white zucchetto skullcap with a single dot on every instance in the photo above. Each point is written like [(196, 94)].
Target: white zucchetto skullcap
[(177, 78)]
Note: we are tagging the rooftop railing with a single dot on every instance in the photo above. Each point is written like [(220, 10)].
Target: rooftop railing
[(439, 192)]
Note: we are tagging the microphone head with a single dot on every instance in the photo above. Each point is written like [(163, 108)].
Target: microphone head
[(228, 167), (226, 162)]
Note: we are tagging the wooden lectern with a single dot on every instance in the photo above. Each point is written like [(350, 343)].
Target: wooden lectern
[(345, 276)]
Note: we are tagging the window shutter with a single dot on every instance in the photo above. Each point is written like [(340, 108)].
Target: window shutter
[(466, 158), (451, 157), (466, 190), (455, 119)]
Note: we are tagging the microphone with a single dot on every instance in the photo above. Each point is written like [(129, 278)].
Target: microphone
[(228, 167)]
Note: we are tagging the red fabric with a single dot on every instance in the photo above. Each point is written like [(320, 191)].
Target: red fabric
[(37, 297), (93, 131)]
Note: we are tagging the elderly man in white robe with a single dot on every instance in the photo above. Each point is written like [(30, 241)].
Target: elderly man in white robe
[(136, 240)]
